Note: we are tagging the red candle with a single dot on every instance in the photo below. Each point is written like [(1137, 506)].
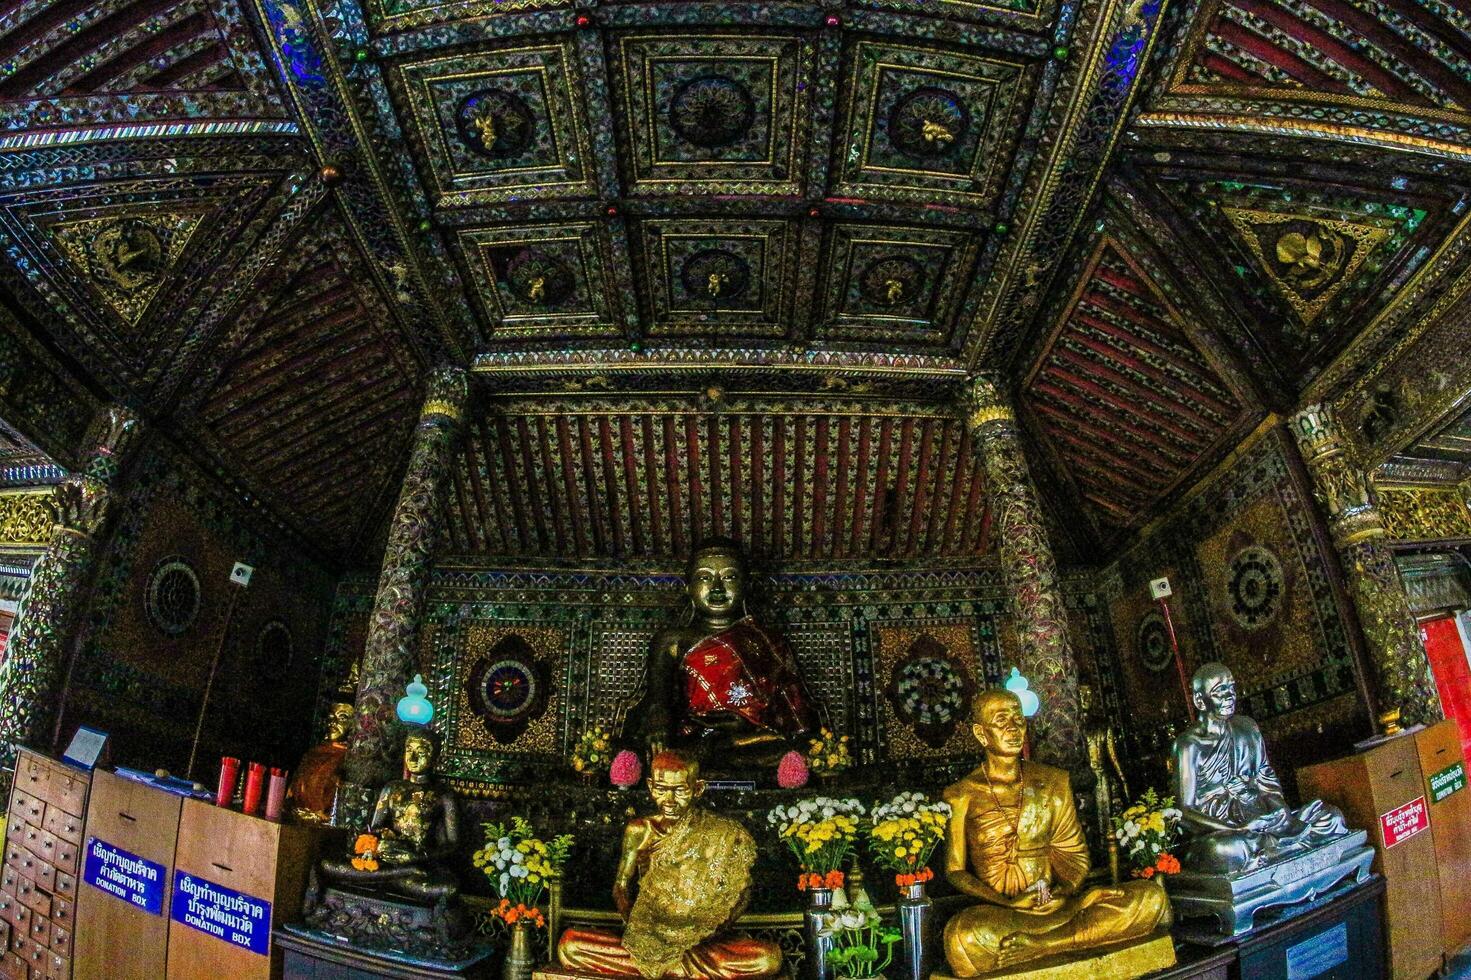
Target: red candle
[(229, 773), (276, 795), (254, 776)]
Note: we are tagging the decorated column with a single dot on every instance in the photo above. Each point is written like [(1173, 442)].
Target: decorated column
[(1030, 574), (49, 612), (1403, 680), (388, 656)]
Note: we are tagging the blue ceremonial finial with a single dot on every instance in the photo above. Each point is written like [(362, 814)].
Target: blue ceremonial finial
[(1019, 685), (414, 707)]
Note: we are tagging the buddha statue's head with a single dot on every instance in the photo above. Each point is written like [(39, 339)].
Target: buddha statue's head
[(717, 580), (674, 783), (339, 722), (1085, 697), (1213, 690), (419, 752), (998, 723)]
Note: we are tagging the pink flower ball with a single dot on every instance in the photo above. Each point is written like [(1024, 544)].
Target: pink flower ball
[(626, 770), (791, 772)]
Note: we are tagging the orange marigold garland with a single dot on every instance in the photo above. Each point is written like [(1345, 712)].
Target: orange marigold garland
[(813, 879), (511, 914), (365, 852), (919, 877)]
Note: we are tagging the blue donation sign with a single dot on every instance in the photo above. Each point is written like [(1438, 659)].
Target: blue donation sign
[(135, 880), (231, 916)]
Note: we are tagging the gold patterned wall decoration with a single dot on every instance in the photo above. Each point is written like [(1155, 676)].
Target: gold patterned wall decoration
[(507, 682), (25, 518), (926, 676), (1424, 513), (1307, 258)]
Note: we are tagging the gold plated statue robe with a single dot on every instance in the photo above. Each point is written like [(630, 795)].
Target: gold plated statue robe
[(693, 873), (1016, 844)]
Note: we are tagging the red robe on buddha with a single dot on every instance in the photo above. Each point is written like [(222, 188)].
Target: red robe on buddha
[(744, 671)]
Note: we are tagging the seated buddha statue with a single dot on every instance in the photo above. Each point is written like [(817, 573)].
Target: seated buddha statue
[(720, 686), (692, 871), (314, 785), (417, 823), (1016, 844), (1228, 793)]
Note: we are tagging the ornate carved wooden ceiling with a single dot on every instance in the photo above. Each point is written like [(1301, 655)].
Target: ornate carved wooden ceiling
[(262, 221)]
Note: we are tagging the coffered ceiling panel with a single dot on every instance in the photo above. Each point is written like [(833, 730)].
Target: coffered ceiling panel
[(792, 482), (500, 124), (729, 112), (1122, 395)]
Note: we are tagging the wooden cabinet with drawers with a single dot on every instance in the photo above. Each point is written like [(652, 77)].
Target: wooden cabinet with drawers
[(38, 881)]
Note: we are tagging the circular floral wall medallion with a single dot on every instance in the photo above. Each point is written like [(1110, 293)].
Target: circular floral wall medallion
[(1254, 586), (711, 111), (929, 691), (537, 278), (508, 688), (274, 650), (715, 275), (893, 280), (495, 123), (172, 597), (1152, 641), (928, 122)]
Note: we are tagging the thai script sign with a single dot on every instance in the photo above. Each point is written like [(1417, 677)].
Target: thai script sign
[(230, 916), (1450, 780), (135, 880), (1404, 822)]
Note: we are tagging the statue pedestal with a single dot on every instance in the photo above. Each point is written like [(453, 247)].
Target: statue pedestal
[(310, 953), (387, 923), (1234, 900), (1120, 961)]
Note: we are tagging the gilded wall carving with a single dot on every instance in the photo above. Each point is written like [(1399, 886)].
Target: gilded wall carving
[(1424, 513)]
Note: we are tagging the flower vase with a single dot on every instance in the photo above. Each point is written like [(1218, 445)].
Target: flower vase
[(521, 956), (914, 920), (819, 903)]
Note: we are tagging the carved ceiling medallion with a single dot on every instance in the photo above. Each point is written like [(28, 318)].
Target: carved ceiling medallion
[(712, 111), (715, 276), (495, 123), (928, 122), (126, 258), (539, 279), (892, 281), (1307, 259)]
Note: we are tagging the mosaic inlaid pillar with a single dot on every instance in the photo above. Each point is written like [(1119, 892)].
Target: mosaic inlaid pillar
[(50, 610), (1402, 672), (388, 656), (1030, 574)]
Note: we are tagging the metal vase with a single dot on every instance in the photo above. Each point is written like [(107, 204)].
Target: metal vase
[(819, 901), (521, 957), (914, 921)]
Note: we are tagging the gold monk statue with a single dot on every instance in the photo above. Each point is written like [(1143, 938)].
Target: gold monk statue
[(314, 785), (692, 870), (1229, 795), (417, 823), (719, 685), (1016, 844)]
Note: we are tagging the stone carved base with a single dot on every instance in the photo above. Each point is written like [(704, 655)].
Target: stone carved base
[(1120, 961), (388, 923), (1234, 900)]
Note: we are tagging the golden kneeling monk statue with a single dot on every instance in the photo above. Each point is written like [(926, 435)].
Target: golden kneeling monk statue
[(313, 788), (1016, 844), (693, 874)]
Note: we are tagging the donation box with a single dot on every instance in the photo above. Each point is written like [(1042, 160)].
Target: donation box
[(127, 870), (236, 877), (1444, 771)]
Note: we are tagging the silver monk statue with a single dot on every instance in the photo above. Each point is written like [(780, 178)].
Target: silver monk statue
[(1248, 847)]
